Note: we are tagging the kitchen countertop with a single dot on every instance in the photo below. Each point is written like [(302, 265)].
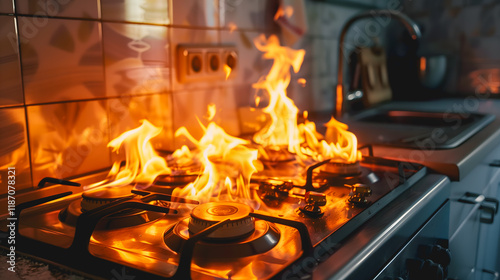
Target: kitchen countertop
[(456, 163)]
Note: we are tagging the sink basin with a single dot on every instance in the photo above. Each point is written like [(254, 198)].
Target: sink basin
[(418, 129), (430, 119)]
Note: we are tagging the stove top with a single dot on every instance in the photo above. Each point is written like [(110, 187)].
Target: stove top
[(150, 233)]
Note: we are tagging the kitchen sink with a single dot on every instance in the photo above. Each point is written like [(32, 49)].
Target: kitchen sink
[(418, 129)]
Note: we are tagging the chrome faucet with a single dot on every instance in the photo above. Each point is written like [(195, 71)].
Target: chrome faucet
[(407, 22)]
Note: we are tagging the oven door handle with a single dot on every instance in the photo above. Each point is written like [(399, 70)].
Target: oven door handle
[(488, 205)]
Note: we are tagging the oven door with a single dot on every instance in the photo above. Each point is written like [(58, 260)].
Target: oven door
[(426, 255), (380, 247)]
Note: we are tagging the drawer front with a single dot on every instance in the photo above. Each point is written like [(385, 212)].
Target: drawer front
[(464, 246)]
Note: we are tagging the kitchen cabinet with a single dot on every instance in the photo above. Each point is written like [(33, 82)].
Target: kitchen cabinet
[(474, 242), (488, 259)]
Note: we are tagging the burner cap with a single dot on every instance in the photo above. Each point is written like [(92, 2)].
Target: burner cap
[(207, 214), (101, 196), (342, 168)]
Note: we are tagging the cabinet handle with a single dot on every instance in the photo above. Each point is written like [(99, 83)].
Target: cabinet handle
[(490, 210), (488, 205), (471, 198), (495, 163), (494, 273)]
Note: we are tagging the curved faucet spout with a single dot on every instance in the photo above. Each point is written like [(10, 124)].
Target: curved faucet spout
[(407, 22)]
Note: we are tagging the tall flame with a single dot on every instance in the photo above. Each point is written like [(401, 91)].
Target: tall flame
[(142, 163), (228, 166), (282, 129)]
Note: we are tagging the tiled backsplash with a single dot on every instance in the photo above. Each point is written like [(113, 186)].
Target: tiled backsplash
[(74, 74)]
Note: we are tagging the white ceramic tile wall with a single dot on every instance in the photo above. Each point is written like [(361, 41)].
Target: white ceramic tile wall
[(326, 20), (14, 149), (248, 15), (136, 59), (7, 6), (61, 60), (141, 11), (251, 65), (74, 8), (10, 68), (69, 138), (195, 13)]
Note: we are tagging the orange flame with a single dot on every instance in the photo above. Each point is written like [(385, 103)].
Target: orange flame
[(211, 110), (257, 101), (142, 163), (302, 82), (338, 145), (232, 27), (303, 139), (287, 11), (282, 129), (228, 165), (227, 70)]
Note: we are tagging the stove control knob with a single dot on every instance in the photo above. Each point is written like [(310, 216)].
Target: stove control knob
[(435, 253), (315, 198), (313, 202), (427, 269)]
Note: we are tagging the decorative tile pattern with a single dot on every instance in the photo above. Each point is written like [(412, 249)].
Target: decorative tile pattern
[(11, 92), (61, 59), (136, 59), (14, 148), (143, 11), (51, 8), (68, 139), (190, 36), (7, 6), (126, 113), (195, 13), (187, 112)]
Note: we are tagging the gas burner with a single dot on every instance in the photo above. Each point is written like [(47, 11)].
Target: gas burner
[(342, 168), (207, 214), (241, 237), (365, 176), (359, 193), (175, 179), (272, 156), (101, 196), (95, 198)]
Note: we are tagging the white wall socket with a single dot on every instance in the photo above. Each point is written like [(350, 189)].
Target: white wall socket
[(197, 63)]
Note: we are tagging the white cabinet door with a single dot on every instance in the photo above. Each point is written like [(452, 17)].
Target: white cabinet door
[(488, 259)]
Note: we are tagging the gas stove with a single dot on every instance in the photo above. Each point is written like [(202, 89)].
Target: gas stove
[(150, 233)]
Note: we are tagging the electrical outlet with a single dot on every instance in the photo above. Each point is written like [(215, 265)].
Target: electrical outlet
[(196, 63)]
